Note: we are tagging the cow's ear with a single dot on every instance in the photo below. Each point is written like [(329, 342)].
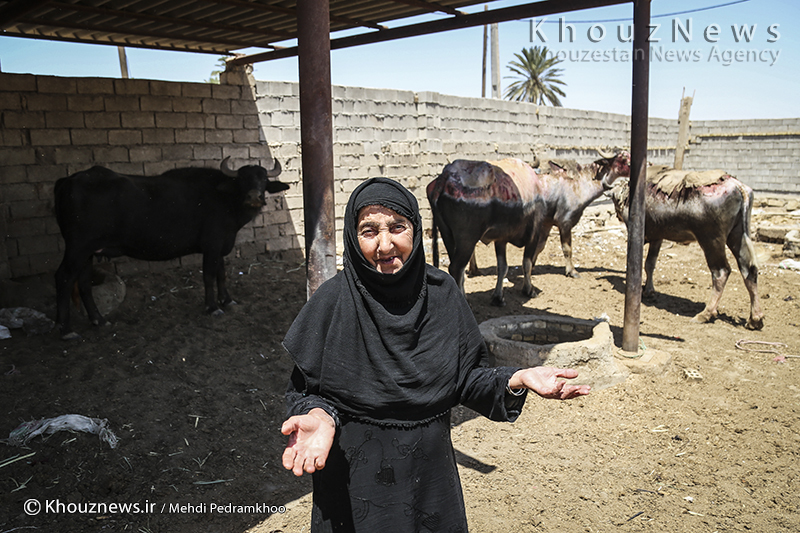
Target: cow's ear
[(555, 167)]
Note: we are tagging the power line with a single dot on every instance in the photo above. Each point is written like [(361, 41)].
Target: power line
[(708, 8)]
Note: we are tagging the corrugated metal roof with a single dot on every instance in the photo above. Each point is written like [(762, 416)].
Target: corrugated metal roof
[(212, 26)]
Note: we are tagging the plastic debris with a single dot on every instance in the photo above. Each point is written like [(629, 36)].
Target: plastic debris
[(31, 321), (789, 264), (47, 426)]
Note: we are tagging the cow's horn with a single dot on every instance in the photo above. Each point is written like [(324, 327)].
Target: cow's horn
[(276, 169), (228, 171), (604, 154)]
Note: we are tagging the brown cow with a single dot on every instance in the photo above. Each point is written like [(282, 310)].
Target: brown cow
[(509, 202), (712, 208)]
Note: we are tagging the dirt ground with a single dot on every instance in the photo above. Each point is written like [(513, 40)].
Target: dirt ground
[(197, 403)]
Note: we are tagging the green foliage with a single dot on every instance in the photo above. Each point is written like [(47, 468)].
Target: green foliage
[(537, 78), (215, 73)]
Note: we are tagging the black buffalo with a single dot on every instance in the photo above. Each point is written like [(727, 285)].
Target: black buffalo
[(155, 218)]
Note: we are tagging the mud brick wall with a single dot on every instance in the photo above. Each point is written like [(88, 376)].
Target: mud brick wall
[(52, 127)]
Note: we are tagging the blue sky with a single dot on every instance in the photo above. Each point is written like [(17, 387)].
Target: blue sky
[(762, 81)]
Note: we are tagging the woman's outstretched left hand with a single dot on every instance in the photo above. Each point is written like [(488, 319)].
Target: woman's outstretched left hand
[(544, 381)]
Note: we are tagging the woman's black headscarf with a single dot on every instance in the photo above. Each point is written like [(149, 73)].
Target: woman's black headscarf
[(389, 348), (408, 284)]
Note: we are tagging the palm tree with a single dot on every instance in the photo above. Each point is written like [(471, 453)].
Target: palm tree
[(221, 64), (538, 79)]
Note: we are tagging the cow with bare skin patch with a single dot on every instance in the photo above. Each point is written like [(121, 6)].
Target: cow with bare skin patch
[(712, 208), (510, 202)]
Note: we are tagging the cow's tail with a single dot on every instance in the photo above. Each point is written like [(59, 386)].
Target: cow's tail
[(747, 210)]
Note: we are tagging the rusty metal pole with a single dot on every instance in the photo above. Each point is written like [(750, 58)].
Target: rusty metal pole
[(316, 137), (639, 118)]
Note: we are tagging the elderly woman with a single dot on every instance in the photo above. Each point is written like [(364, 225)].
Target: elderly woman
[(383, 351)]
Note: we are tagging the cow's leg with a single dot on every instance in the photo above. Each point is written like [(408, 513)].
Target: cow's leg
[(566, 248), (650, 266), (473, 265), (211, 266), (85, 290), (224, 296), (65, 278), (529, 256), (742, 248), (502, 270), (459, 258), (714, 251)]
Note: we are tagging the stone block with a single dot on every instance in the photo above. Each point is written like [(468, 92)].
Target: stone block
[(95, 86), (176, 152), (65, 155), (137, 119), (124, 137), (131, 87), (54, 84), (229, 122), (215, 106), (102, 120), (215, 136), (17, 82), (207, 152), (187, 105), (10, 101), (246, 136), (15, 192), (63, 119), (165, 88), (162, 136), (45, 172), (46, 102), (226, 92), (85, 103), (170, 120), (122, 103), (194, 90), (197, 120), (189, 136), (38, 244), (17, 156), (19, 266), (145, 153), (110, 154), (156, 168), (156, 103), (13, 138), (50, 137)]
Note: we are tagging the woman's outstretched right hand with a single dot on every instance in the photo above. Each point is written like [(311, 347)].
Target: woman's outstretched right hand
[(310, 440)]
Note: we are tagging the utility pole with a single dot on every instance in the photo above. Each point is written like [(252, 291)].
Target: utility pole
[(483, 66), (495, 61), (123, 62), (683, 129)]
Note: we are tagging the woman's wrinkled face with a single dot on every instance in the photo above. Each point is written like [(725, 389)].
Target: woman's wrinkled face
[(386, 238)]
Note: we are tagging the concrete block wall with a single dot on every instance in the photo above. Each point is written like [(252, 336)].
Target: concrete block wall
[(52, 127), (764, 154)]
